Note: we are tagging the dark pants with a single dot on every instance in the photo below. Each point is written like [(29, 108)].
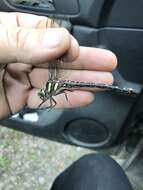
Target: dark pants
[(93, 172)]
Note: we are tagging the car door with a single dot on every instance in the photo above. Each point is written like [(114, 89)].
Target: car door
[(112, 24)]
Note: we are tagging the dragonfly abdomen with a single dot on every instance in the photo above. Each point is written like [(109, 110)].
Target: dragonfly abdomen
[(73, 85)]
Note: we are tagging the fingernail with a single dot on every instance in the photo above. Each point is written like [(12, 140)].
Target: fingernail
[(52, 38)]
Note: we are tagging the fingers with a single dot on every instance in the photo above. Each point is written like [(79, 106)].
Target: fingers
[(77, 75), (35, 46), (96, 64), (75, 99)]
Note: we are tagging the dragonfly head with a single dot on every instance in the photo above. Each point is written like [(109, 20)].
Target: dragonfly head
[(42, 94)]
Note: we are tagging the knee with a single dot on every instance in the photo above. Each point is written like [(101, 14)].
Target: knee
[(96, 162), (94, 159)]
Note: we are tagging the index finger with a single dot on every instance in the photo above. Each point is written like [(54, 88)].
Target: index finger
[(91, 59)]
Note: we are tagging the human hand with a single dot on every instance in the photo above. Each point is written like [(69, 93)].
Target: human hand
[(27, 44)]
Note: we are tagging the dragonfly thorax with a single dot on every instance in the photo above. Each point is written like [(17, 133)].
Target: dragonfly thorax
[(52, 87)]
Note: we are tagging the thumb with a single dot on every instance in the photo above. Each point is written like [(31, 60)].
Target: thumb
[(32, 46)]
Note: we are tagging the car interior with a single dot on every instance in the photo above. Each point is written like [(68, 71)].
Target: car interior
[(113, 123)]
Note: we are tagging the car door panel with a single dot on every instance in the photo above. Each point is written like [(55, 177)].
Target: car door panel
[(110, 24)]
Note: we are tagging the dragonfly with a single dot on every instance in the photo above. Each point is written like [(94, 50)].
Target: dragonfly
[(55, 85)]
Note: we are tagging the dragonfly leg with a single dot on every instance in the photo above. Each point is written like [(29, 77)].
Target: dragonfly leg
[(65, 93), (55, 103), (41, 104), (66, 96), (52, 100)]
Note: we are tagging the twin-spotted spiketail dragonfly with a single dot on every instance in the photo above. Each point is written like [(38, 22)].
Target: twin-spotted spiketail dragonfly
[(55, 85)]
